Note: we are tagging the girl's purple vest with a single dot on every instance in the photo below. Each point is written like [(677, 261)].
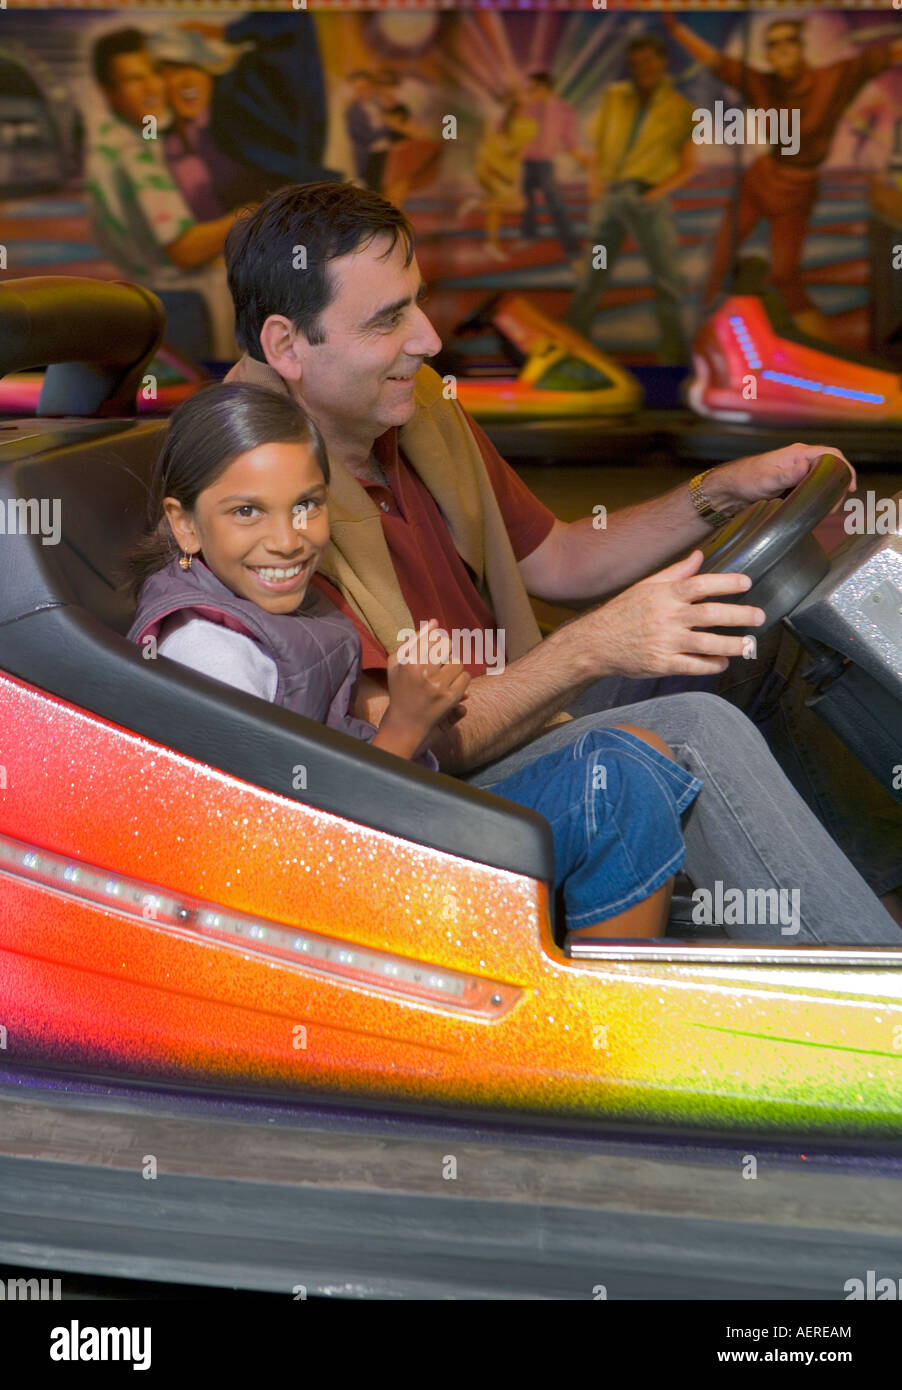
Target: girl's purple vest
[(315, 649)]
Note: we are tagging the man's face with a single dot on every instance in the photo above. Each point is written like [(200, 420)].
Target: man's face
[(361, 379), (136, 89), (784, 50), (647, 67), (188, 89), (261, 526)]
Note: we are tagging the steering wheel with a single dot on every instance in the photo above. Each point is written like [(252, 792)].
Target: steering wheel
[(772, 543)]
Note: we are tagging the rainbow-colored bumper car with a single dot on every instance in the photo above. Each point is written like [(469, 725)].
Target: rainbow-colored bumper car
[(192, 879), (204, 895)]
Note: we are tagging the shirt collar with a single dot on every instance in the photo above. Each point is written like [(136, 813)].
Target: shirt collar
[(385, 447)]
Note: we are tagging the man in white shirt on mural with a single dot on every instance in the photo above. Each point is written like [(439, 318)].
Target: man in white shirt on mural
[(140, 218)]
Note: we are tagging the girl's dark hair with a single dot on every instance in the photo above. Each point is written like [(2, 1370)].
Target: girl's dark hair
[(205, 434)]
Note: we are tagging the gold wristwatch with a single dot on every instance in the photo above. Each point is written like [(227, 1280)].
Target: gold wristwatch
[(703, 504)]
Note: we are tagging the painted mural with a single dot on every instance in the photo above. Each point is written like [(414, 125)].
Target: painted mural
[(530, 149)]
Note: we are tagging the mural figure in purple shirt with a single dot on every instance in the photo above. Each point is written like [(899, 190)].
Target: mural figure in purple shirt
[(188, 62)]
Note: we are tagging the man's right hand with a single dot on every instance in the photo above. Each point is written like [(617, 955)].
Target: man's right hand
[(652, 628)]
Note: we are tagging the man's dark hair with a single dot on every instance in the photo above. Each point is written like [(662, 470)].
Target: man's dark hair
[(328, 220), (648, 41), (543, 77), (109, 47), (360, 72)]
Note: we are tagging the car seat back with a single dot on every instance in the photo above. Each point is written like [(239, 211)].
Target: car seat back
[(94, 336), (97, 488)]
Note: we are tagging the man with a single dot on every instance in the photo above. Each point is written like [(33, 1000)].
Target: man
[(556, 133), (141, 219), (429, 522), (643, 141), (778, 188)]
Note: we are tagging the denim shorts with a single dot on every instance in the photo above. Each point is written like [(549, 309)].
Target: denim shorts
[(614, 805)]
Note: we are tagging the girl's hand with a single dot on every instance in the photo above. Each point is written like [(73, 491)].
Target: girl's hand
[(423, 685), (423, 688)]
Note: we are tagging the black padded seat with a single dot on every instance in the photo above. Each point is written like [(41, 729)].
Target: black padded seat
[(62, 625), (95, 338)]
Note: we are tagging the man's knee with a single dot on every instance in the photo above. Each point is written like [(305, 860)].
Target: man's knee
[(647, 736), (704, 728), (706, 717)]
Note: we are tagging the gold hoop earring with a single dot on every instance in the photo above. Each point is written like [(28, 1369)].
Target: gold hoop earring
[(185, 560)]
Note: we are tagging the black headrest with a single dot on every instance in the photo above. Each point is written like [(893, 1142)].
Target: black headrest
[(94, 336)]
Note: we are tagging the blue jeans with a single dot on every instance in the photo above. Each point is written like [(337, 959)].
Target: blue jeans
[(748, 828), (621, 211), (539, 174), (614, 805)]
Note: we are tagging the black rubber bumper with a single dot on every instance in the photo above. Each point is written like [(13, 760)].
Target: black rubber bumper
[(262, 1197)]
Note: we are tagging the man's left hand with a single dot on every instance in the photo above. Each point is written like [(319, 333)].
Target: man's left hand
[(735, 486)]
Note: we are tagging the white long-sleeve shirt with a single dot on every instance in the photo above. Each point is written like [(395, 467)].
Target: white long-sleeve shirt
[(220, 652)]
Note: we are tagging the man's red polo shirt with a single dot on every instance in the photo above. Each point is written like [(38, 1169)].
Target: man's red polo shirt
[(435, 581)]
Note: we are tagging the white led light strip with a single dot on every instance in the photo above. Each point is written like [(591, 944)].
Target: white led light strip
[(307, 951)]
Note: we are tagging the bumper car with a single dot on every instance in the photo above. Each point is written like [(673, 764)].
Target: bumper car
[(752, 365), (541, 368), (308, 978)]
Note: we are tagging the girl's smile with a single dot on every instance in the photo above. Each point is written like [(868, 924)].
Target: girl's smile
[(281, 579)]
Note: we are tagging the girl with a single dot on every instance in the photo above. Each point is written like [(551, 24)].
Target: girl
[(238, 520)]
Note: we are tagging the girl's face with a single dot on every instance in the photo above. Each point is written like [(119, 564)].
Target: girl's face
[(261, 526)]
